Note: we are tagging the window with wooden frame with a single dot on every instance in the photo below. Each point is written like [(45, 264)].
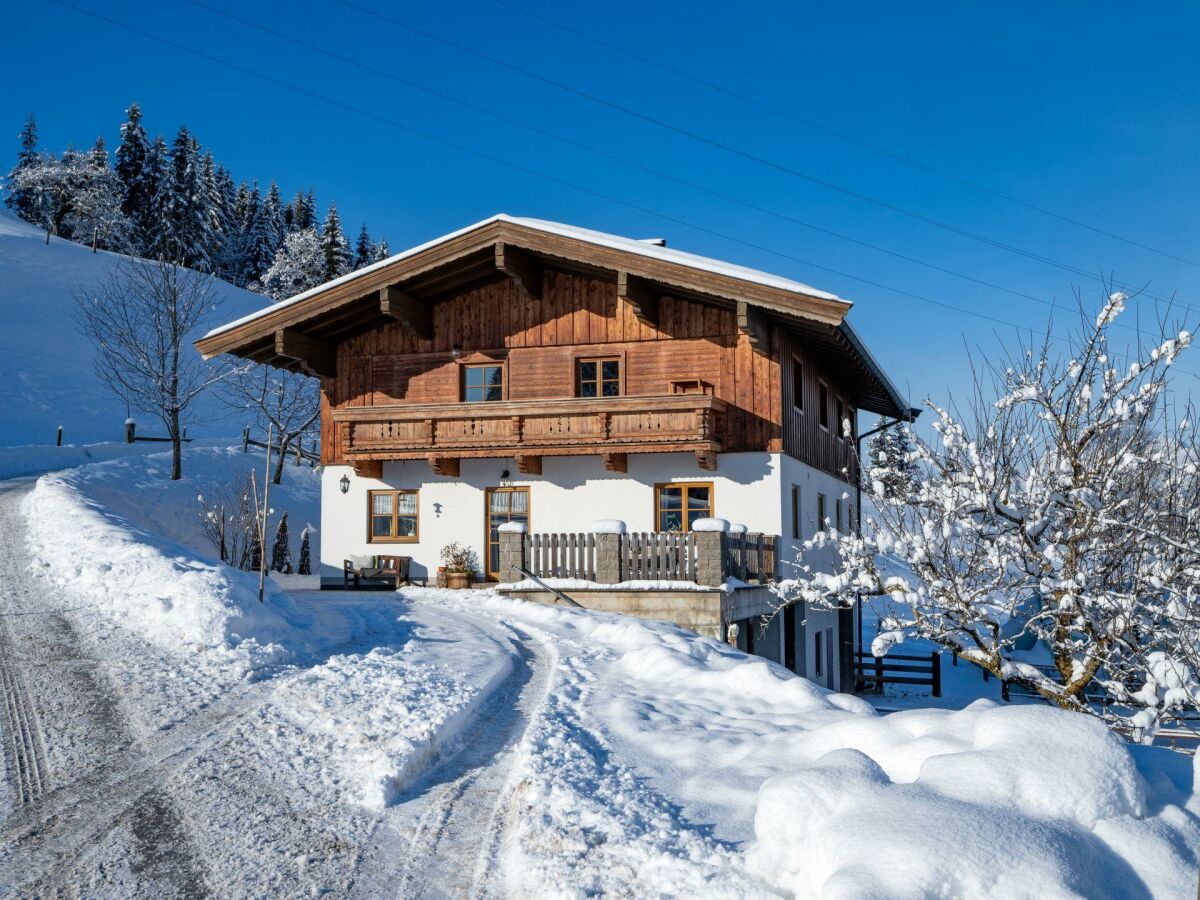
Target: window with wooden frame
[(482, 383), (838, 519), (823, 400), (598, 377), (392, 516), (678, 505), (820, 512), (797, 385)]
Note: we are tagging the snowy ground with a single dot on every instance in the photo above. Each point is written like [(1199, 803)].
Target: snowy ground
[(187, 741), (46, 363)]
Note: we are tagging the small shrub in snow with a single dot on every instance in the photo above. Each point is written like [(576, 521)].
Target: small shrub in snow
[(281, 551), (304, 567), (458, 557), (227, 517), (1066, 509)]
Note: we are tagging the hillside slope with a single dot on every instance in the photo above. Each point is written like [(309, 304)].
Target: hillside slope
[(46, 365)]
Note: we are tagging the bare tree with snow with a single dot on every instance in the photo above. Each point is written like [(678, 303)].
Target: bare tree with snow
[(141, 319), (287, 401), (1063, 506)]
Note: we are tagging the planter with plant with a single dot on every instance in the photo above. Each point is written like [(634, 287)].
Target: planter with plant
[(460, 564)]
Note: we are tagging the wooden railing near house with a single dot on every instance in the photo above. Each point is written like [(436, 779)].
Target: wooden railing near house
[(706, 558), (658, 556), (534, 428), (561, 555), (874, 672)]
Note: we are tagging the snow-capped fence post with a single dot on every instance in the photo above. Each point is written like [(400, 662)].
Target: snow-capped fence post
[(608, 558), (130, 430), (512, 552), (710, 557), (935, 660), (58, 441)]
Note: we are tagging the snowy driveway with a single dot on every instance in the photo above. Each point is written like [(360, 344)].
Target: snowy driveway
[(130, 771)]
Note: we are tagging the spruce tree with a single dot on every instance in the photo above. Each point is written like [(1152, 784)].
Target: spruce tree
[(148, 215), (382, 250), (27, 157), (335, 245), (273, 219), (281, 551), (364, 250), (188, 235), (303, 211), (138, 187), (304, 567)]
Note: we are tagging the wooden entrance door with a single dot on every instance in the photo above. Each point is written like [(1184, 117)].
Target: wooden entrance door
[(504, 504)]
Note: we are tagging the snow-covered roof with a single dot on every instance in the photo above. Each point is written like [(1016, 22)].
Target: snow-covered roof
[(587, 235)]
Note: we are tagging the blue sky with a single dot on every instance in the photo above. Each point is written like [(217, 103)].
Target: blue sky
[(1090, 113)]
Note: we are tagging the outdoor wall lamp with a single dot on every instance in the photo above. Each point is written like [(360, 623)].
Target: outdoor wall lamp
[(505, 479), (345, 483)]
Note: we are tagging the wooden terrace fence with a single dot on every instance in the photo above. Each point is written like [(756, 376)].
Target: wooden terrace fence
[(701, 557)]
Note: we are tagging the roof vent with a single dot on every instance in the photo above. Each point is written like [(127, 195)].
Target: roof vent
[(657, 242)]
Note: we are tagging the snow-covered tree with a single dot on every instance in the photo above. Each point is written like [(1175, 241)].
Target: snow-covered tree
[(301, 213), (281, 550), (364, 249), (382, 250), (1063, 507), (186, 230), (298, 266), (335, 245), (137, 185), (72, 197), (285, 404), (304, 566), (27, 157), (890, 451), (141, 320)]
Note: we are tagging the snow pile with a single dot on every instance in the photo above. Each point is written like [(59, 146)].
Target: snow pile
[(827, 797), (123, 539), (608, 526), (710, 525), (46, 363)]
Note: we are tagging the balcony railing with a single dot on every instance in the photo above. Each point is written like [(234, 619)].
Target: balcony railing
[(675, 422)]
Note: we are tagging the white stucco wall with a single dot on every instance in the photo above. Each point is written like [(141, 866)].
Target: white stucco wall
[(569, 495)]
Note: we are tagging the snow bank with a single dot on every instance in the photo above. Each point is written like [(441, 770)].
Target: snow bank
[(828, 798), (21, 462), (123, 539)]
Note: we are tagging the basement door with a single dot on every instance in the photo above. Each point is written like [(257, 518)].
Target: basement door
[(504, 504)]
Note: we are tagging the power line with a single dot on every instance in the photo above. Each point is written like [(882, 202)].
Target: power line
[(842, 136), (542, 132), (340, 104), (769, 163)]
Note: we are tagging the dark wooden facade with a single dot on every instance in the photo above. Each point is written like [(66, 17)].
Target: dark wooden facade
[(708, 354), (689, 346)]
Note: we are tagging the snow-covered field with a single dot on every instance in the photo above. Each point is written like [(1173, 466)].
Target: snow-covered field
[(46, 363), (380, 744)]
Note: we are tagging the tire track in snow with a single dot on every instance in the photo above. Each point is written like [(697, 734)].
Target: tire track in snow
[(459, 805), (142, 819)]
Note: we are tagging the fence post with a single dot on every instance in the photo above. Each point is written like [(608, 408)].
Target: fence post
[(710, 558), (1004, 692), (608, 557), (512, 555), (879, 674), (935, 660), (59, 440), (246, 439), (130, 430)]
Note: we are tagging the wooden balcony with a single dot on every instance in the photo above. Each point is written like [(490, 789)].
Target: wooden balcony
[(528, 430)]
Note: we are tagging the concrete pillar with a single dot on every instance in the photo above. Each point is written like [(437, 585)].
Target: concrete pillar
[(710, 557), (512, 555), (608, 558)]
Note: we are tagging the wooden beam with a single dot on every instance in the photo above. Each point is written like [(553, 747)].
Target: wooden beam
[(315, 357), (615, 462), (444, 465), (368, 468), (640, 296), (412, 314), (750, 323), (529, 465), (520, 267), (706, 459)]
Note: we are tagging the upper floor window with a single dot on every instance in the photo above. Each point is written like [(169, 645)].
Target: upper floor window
[(598, 378), (481, 383), (823, 399), (841, 419), (393, 516), (797, 385), (677, 506)]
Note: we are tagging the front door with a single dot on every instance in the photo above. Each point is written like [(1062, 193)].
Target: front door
[(504, 504)]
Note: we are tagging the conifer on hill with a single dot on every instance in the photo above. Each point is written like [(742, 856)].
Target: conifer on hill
[(335, 245), (27, 157)]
